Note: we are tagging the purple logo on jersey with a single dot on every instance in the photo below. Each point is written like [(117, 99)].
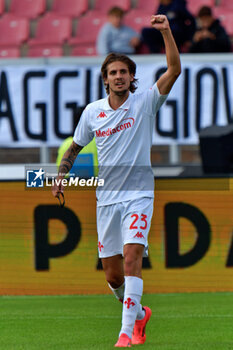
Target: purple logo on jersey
[(125, 124)]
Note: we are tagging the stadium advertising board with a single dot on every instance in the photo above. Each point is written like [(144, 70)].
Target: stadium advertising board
[(38, 103), (46, 249)]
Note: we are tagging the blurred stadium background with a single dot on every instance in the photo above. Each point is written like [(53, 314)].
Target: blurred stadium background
[(48, 70)]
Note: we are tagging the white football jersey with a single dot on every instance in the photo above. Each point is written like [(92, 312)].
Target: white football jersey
[(123, 139)]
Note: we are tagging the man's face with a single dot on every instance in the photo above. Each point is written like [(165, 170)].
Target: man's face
[(118, 78), (206, 21), (165, 2), (116, 21)]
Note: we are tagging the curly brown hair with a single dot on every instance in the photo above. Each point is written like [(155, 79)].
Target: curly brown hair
[(113, 57)]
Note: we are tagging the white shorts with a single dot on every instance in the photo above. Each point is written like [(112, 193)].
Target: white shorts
[(122, 223)]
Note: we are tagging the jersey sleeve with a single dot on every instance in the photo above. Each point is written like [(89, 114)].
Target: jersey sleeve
[(154, 100), (83, 133)]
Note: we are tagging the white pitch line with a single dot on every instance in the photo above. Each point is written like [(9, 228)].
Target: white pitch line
[(29, 317)]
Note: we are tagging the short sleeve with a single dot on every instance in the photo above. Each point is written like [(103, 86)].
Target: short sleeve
[(83, 133), (154, 100)]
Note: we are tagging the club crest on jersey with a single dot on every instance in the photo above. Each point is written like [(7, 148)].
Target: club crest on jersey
[(102, 115), (125, 124)]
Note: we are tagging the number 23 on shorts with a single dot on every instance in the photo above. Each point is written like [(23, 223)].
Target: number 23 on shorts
[(142, 221)]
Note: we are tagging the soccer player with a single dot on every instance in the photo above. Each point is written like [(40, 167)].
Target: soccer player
[(122, 124)]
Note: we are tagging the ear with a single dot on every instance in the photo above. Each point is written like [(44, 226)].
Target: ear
[(131, 77)]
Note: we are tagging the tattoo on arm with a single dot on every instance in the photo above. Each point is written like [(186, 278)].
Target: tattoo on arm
[(69, 158)]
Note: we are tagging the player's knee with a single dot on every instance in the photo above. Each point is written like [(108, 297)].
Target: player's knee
[(133, 265), (113, 268), (114, 277), (133, 260), (115, 280)]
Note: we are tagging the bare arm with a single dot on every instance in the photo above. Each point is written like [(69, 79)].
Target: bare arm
[(65, 166), (167, 80)]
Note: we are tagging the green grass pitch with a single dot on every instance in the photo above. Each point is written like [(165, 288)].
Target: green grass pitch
[(179, 322)]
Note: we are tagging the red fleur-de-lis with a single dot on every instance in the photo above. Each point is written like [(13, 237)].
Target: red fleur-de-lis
[(129, 303), (100, 246)]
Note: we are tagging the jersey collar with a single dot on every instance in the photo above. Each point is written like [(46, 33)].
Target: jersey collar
[(124, 106)]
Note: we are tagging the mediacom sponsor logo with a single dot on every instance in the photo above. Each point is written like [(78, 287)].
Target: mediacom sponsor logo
[(125, 124)]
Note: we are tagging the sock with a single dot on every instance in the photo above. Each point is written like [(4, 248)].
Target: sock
[(131, 303), (118, 292), (141, 313)]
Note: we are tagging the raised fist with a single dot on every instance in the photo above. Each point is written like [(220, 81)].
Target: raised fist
[(159, 22)]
